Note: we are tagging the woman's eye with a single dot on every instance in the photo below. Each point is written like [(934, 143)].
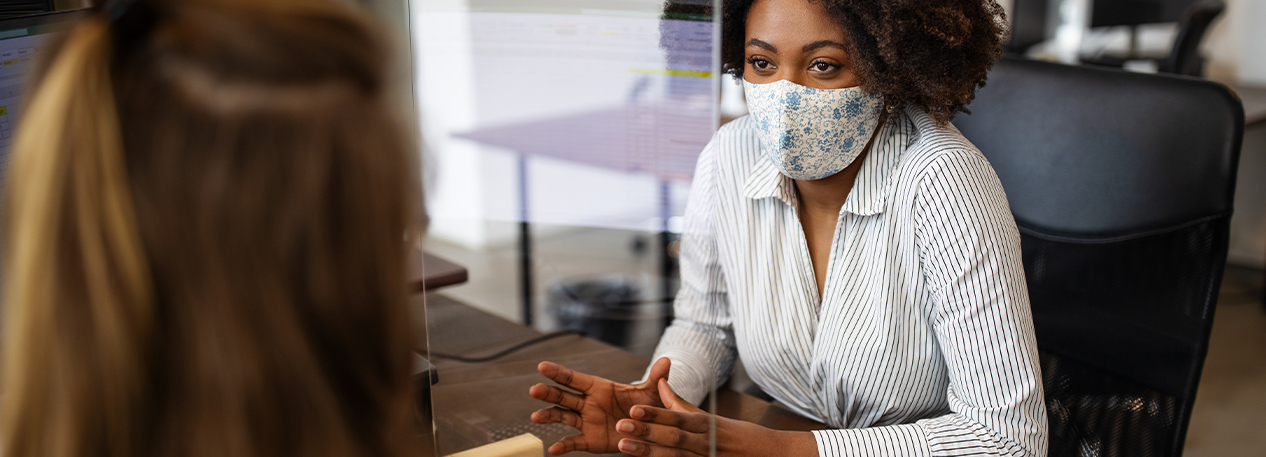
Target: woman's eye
[(822, 67), (759, 64)]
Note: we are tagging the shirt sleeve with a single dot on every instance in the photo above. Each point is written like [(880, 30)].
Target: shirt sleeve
[(700, 340), (970, 253)]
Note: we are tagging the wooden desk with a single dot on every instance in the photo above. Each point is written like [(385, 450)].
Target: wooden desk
[(430, 272), (472, 399), (1254, 100)]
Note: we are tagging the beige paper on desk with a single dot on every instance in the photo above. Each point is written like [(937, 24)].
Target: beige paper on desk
[(525, 445)]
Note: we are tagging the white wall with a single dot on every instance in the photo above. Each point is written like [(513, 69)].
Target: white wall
[(1236, 46), (1248, 18)]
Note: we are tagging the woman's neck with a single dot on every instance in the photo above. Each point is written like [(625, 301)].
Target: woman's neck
[(827, 195)]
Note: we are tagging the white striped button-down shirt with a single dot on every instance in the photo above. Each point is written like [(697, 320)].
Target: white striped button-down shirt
[(922, 342)]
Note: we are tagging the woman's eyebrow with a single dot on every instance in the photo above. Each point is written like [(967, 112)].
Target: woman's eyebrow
[(761, 44), (822, 44)]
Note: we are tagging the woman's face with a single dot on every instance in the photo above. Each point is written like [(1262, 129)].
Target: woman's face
[(798, 41)]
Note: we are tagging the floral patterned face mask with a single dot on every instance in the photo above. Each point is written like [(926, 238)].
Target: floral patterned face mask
[(811, 133)]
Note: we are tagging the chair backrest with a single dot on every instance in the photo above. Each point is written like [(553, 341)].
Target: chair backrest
[(1184, 58), (1108, 13), (1122, 185)]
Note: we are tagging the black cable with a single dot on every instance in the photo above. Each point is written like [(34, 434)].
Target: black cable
[(539, 339)]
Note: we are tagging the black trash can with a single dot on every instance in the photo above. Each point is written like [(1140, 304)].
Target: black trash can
[(605, 309)]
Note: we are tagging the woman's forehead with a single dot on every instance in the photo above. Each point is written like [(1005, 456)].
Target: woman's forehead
[(791, 23)]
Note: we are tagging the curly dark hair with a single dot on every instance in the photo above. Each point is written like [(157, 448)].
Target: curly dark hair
[(930, 53)]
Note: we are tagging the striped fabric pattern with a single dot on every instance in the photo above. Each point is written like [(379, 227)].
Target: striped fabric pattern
[(922, 344)]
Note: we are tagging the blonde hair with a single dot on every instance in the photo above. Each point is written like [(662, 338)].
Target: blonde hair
[(204, 248)]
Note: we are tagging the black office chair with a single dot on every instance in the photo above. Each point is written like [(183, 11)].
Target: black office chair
[(1194, 17), (1185, 58), (1121, 184)]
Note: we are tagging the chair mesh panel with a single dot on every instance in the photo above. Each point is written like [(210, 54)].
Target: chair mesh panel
[(1095, 414), (1137, 314)]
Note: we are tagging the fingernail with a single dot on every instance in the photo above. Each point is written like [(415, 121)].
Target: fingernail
[(626, 427), (636, 413), (629, 446)]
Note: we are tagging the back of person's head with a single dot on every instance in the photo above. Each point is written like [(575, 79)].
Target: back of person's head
[(207, 214)]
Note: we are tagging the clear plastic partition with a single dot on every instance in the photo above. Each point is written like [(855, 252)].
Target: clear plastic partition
[(560, 140)]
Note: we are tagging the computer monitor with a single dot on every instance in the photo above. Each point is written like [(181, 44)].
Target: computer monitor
[(21, 41)]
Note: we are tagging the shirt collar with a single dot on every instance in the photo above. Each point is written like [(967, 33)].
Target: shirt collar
[(766, 181), (874, 180)]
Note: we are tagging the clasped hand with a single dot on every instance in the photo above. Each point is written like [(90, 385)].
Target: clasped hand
[(649, 419)]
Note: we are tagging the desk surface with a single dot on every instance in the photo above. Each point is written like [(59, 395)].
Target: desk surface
[(1254, 100), (430, 272), (472, 400)]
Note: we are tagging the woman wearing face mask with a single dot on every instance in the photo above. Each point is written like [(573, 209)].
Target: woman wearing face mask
[(848, 244)]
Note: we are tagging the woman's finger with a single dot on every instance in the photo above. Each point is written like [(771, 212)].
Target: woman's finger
[(556, 396), (557, 415), (690, 422), (663, 434), (565, 376), (673, 401), (642, 448), (659, 370), (569, 444)]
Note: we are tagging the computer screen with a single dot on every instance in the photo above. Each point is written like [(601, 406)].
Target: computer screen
[(21, 42)]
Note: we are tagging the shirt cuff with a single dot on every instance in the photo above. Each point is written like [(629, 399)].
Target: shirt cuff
[(905, 440)]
